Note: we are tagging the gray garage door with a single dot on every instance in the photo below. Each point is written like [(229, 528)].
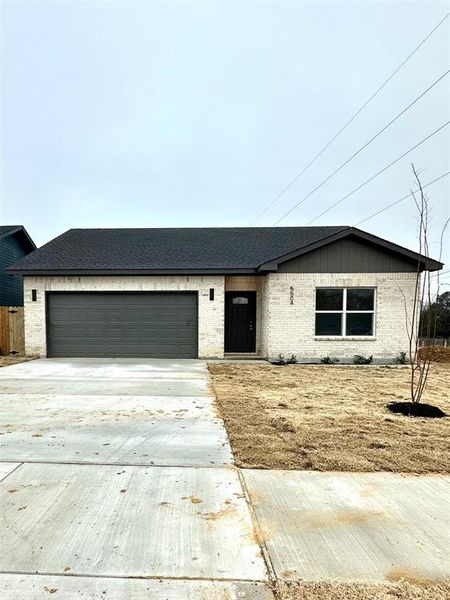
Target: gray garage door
[(152, 325)]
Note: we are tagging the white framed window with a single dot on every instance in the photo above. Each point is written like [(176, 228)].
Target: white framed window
[(345, 312)]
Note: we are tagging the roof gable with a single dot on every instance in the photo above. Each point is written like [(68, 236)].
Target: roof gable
[(349, 255), (419, 260)]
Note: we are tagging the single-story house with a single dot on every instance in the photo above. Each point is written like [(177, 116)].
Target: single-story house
[(210, 292), (14, 244)]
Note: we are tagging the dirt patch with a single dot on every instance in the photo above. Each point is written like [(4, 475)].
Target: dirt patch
[(408, 576), (6, 361), (319, 520), (330, 418), (282, 424), (225, 513), (357, 591), (193, 499)]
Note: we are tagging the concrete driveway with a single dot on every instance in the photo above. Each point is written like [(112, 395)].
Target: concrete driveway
[(118, 482), (110, 412)]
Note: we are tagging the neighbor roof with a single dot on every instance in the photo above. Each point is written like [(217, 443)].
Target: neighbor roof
[(6, 230), (187, 250)]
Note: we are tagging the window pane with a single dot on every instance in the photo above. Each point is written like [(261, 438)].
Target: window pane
[(328, 324), (360, 299), (329, 299), (359, 324), (240, 300)]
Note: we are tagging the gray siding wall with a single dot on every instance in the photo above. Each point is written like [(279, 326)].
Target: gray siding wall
[(11, 286), (348, 256)]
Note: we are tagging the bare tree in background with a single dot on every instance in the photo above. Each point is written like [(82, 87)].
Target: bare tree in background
[(423, 296)]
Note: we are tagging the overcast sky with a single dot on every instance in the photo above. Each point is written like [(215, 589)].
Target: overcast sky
[(145, 114)]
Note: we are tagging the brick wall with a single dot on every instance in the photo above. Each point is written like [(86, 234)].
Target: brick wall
[(289, 328), (282, 327), (210, 313)]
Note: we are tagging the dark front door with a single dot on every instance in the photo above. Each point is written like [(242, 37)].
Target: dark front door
[(240, 321)]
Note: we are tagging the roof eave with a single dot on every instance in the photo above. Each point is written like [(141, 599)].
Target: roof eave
[(86, 272)]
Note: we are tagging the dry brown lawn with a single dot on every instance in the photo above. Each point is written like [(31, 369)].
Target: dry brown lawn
[(5, 361), (331, 418), (355, 591)]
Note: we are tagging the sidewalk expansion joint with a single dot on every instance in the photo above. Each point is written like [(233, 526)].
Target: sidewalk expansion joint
[(141, 577), (257, 527), (117, 464)]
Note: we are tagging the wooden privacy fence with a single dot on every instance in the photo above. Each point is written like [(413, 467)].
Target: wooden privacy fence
[(12, 335), (438, 341)]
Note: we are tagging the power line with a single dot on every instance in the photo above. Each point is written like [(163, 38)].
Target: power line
[(379, 172), (362, 148), (440, 273), (388, 206), (297, 177)]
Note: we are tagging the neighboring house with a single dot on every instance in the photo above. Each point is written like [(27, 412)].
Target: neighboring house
[(15, 243), (187, 293)]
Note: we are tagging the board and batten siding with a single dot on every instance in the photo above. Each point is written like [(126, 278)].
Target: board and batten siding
[(11, 286), (348, 256)]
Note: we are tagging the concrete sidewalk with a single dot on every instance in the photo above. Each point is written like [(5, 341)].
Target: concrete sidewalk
[(368, 527)]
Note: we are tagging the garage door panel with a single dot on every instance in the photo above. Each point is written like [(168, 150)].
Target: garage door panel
[(122, 324)]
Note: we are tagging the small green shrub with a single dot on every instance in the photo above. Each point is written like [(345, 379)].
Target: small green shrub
[(359, 359), (282, 360), (400, 359), (329, 360)]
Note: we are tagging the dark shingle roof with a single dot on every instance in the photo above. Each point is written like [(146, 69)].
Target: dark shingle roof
[(161, 249), (209, 249)]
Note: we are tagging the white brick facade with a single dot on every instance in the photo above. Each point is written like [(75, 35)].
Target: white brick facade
[(290, 328), (282, 327), (210, 314)]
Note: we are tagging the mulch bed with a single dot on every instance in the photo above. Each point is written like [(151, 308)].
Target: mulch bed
[(411, 409)]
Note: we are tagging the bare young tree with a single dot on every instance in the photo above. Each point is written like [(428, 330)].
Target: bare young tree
[(420, 361)]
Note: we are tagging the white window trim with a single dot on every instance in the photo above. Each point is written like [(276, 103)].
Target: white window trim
[(344, 313)]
